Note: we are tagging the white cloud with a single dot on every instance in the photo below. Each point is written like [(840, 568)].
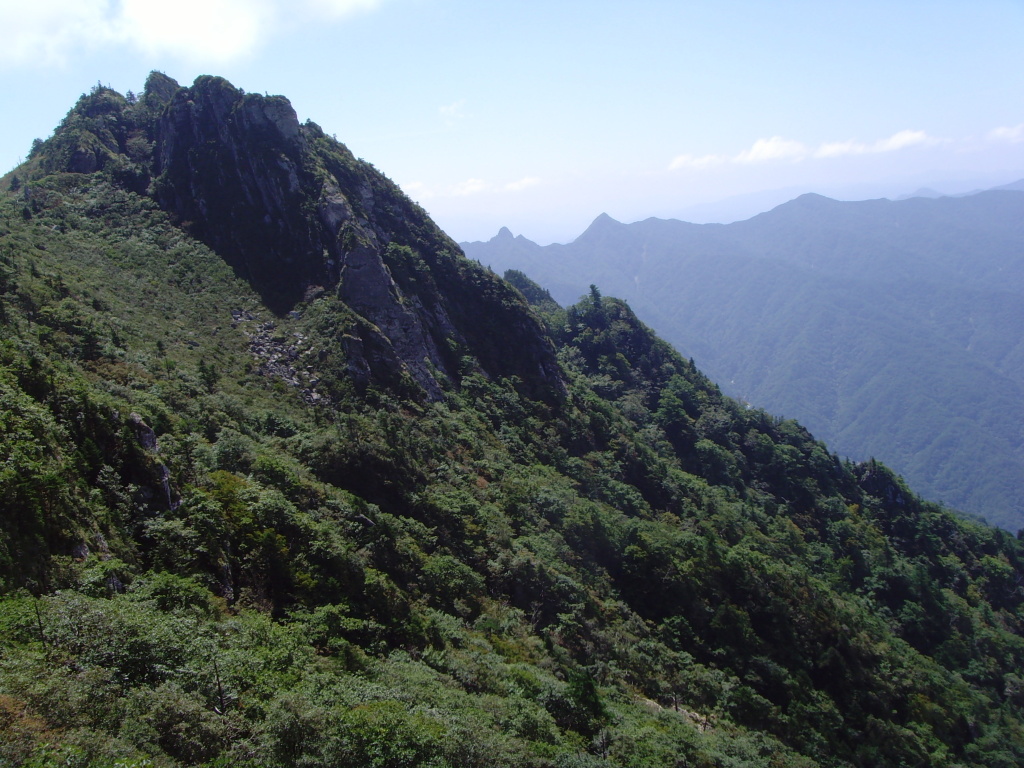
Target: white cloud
[(905, 139), (218, 30), (341, 8), (417, 190), (452, 113), (473, 186), (470, 187), (689, 161), (49, 32), (778, 148), (1013, 134), (899, 140), (44, 31), (524, 183), (840, 148), (775, 148)]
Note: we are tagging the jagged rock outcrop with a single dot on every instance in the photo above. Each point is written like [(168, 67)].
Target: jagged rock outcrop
[(230, 164), (292, 210), (295, 213)]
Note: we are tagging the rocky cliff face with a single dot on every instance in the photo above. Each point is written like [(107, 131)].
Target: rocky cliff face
[(232, 166), (295, 214)]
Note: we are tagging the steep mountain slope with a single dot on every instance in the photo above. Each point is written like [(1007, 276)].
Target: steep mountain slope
[(891, 329), (235, 537)]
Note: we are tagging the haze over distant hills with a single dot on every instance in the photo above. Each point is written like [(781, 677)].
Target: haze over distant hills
[(740, 207), (891, 329)]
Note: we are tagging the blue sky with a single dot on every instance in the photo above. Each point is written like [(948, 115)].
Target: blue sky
[(541, 115)]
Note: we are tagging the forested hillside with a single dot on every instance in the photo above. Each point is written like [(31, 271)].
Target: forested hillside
[(890, 329), (383, 512)]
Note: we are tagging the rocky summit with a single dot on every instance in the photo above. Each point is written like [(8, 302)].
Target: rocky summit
[(294, 213)]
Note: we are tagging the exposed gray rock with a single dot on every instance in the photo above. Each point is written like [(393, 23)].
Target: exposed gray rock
[(367, 286), (147, 439), (143, 432)]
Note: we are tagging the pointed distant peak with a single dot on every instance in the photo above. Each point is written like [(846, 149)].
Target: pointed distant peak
[(813, 198), (922, 192), (506, 238), (601, 229), (604, 220), (808, 200), (601, 226)]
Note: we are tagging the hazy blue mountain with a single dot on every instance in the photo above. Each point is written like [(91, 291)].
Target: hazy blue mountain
[(891, 329), (1015, 186), (922, 192)]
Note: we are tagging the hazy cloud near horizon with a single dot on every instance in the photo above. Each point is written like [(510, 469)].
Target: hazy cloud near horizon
[(474, 186), (779, 148), (1013, 134)]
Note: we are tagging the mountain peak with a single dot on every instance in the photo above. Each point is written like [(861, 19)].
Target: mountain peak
[(604, 220), (295, 214), (159, 88), (811, 198), (809, 201), (601, 227), (505, 239)]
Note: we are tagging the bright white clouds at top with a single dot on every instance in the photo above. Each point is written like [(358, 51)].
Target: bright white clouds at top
[(778, 148), (48, 32), (42, 31), (341, 8), (219, 30)]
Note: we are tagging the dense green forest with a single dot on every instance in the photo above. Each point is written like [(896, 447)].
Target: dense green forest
[(384, 512), (890, 329)]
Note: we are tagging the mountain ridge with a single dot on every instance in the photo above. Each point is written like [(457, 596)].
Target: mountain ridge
[(237, 532)]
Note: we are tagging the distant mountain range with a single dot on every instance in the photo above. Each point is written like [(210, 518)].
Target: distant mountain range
[(891, 329), (744, 206)]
